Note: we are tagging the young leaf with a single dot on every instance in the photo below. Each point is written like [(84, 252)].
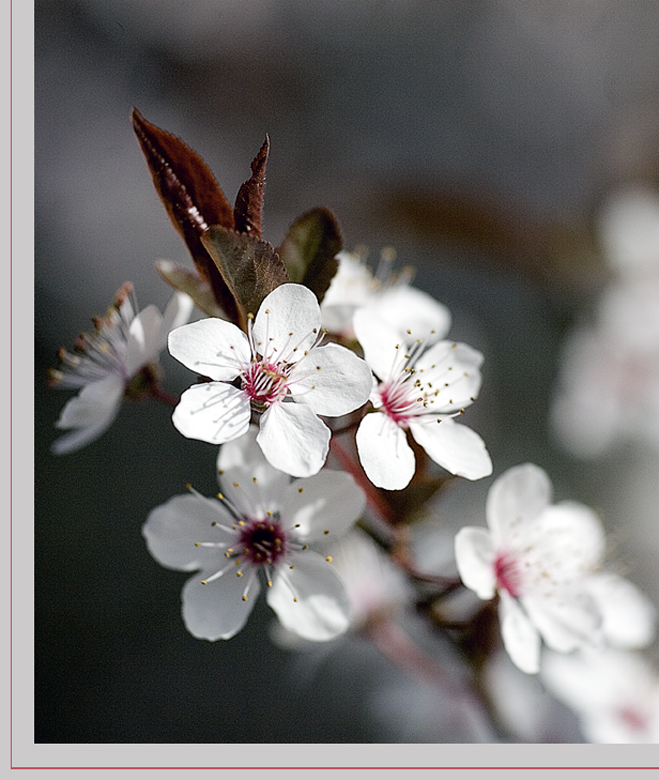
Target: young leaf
[(191, 196), (310, 248), (187, 281), (248, 211), (250, 268)]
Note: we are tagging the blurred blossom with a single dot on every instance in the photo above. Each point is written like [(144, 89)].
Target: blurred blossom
[(615, 694), (608, 387), (536, 557), (110, 362)]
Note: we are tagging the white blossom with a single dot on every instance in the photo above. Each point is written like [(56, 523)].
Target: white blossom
[(285, 378), (421, 384), (258, 531), (538, 558), (105, 361), (614, 693)]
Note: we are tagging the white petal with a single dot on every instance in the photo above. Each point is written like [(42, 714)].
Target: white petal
[(332, 381), (450, 375), (520, 637), (143, 344), (322, 610), (217, 610), (260, 485), (567, 620), (294, 439), (177, 313), (285, 320), (384, 453), (406, 308), (378, 340), (567, 539), (211, 347), (628, 614), (172, 529), (90, 413), (474, 557), (516, 497), (212, 411), (455, 447), (330, 501)]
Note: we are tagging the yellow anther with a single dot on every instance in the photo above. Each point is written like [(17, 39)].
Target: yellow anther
[(329, 559)]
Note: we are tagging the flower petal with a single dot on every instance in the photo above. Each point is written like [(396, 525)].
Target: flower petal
[(294, 439), (406, 308), (330, 501), (566, 620), (211, 347), (286, 320), (217, 610), (212, 411), (90, 413), (332, 381), (628, 614), (143, 343), (517, 496), (378, 340), (474, 557), (455, 447), (520, 638), (260, 485), (450, 374), (172, 530), (322, 610), (384, 453)]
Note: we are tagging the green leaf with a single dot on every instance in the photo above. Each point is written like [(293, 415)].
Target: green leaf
[(310, 248), (187, 281), (251, 268)]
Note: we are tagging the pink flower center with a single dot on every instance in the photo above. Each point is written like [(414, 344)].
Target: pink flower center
[(508, 574), (264, 384), (633, 719), (262, 542), (396, 402)]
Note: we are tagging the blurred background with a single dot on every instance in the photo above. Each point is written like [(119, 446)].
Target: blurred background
[(477, 138)]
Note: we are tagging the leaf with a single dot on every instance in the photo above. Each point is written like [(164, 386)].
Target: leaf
[(250, 268), (187, 281), (191, 196), (310, 248), (248, 212)]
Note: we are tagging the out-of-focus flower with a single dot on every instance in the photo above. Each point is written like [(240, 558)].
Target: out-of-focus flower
[(614, 693), (422, 384), (390, 298), (285, 377), (262, 522), (628, 615), (608, 388), (537, 557), (107, 364)]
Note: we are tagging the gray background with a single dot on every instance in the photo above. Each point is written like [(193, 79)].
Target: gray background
[(477, 138)]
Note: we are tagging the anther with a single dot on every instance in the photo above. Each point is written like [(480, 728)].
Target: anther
[(329, 559)]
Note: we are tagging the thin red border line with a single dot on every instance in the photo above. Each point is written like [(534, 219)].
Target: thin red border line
[(337, 767)]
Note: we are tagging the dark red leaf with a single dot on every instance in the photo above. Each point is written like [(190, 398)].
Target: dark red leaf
[(248, 213), (192, 198)]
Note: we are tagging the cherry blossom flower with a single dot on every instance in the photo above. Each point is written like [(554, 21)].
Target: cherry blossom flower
[(107, 364), (421, 385), (538, 558), (260, 525), (614, 693), (286, 380)]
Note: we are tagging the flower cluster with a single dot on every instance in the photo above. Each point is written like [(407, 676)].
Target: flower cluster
[(308, 361)]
